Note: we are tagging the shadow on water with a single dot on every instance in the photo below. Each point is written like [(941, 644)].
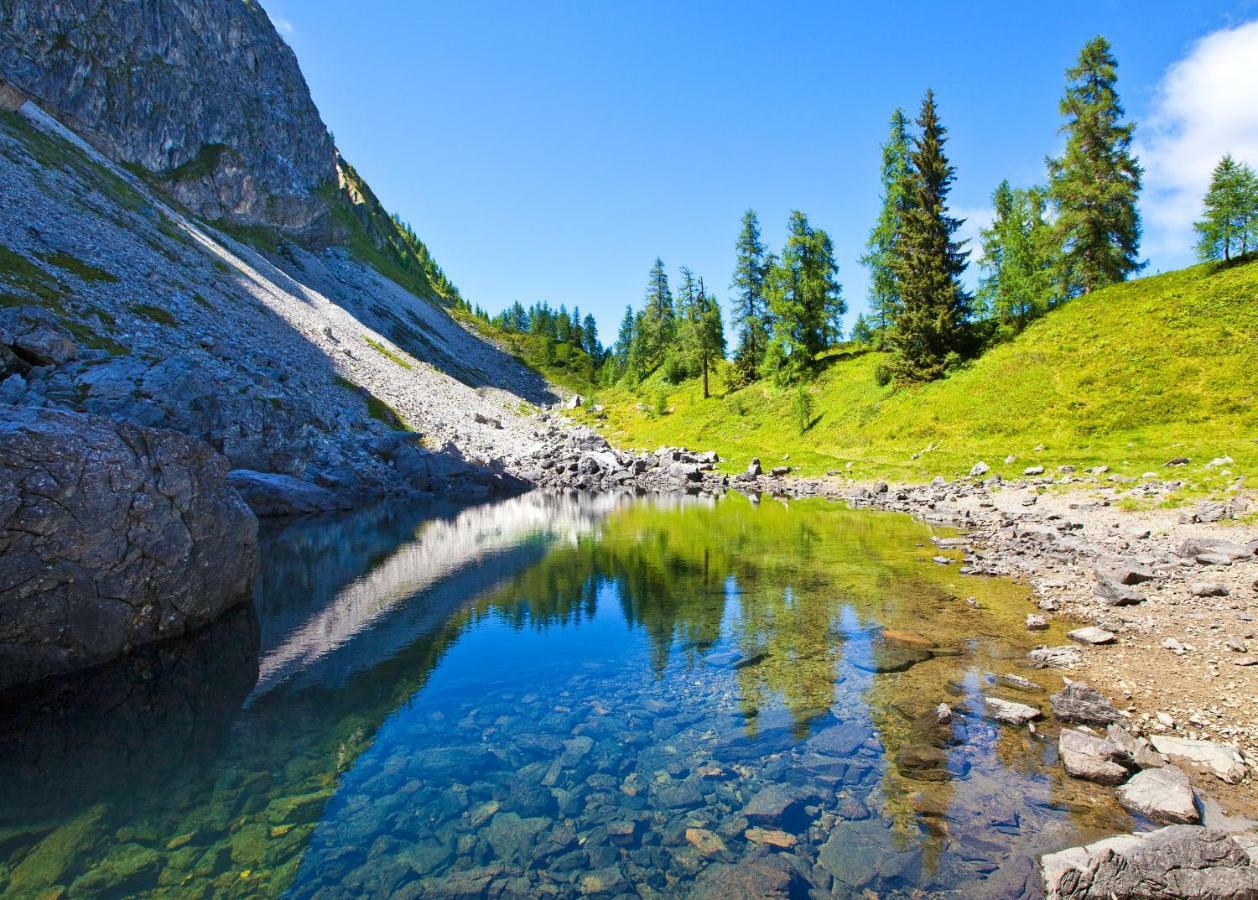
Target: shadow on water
[(563, 695)]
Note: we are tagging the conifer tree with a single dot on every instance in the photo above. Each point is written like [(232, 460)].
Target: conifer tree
[(657, 324), (625, 340), (933, 309), (1096, 182), (1018, 257), (1229, 221), (705, 332), (589, 328), (879, 255), (805, 299), (749, 308)]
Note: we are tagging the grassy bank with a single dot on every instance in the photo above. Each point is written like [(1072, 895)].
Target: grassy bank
[(1128, 377)]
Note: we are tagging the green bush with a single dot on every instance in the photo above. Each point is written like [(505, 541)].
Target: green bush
[(803, 409)]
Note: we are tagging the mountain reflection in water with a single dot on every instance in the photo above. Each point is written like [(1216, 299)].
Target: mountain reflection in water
[(556, 695)]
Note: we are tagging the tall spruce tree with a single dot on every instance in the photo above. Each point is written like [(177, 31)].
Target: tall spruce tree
[(750, 307), (1018, 255), (930, 322), (805, 299), (879, 258), (1096, 182), (657, 323), (1229, 220)]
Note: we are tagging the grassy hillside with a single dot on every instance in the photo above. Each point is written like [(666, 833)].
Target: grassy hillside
[(1128, 377)]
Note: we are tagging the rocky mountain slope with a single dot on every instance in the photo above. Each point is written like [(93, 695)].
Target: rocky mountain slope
[(204, 95)]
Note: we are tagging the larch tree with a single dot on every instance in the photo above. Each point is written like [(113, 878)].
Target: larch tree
[(1096, 182), (805, 299), (750, 306), (1229, 219), (1017, 260), (879, 256), (930, 325), (705, 332)]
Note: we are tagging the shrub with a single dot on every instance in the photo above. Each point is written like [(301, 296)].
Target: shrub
[(882, 375), (803, 409)]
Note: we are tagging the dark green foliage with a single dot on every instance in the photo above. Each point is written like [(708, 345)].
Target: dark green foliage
[(931, 316), (750, 306), (701, 331), (884, 294), (1096, 182), (1229, 219), (862, 333), (657, 325), (805, 300), (1019, 251)]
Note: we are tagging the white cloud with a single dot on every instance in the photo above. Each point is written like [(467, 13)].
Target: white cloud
[(1206, 105), (283, 25)]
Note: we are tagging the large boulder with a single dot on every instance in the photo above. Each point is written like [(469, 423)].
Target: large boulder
[(275, 494), (111, 536), (1178, 861)]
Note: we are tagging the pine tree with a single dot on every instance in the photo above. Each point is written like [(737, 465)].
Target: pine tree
[(589, 328), (657, 324), (1229, 219), (750, 308), (932, 313), (879, 258), (1018, 257), (805, 299), (705, 332), (1096, 182), (862, 333), (626, 338)]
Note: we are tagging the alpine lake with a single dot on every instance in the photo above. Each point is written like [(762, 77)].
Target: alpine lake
[(558, 696)]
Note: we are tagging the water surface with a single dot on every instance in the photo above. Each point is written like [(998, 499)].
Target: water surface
[(558, 696)]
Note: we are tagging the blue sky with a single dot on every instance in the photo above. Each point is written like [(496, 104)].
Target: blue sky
[(553, 150)]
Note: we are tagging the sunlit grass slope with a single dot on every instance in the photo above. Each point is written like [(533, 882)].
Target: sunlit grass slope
[(1129, 377)]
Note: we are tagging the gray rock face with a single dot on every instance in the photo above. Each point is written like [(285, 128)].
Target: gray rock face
[(1179, 861), (205, 94), (111, 536)]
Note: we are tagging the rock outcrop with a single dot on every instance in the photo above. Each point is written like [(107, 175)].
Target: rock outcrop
[(206, 95), (1179, 861), (111, 536)]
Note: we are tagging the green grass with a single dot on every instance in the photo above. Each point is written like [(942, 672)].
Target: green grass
[(567, 366), (78, 268), (387, 353), (204, 163), (1127, 377), (154, 314), (376, 408)]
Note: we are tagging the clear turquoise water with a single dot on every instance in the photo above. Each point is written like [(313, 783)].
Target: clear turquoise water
[(557, 697)]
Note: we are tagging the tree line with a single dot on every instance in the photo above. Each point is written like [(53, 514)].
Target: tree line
[(1047, 243)]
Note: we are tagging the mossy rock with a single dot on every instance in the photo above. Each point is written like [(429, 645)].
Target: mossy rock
[(249, 845), (55, 857), (299, 808), (126, 868)]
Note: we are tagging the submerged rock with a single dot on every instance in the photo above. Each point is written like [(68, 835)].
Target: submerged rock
[(115, 536)]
